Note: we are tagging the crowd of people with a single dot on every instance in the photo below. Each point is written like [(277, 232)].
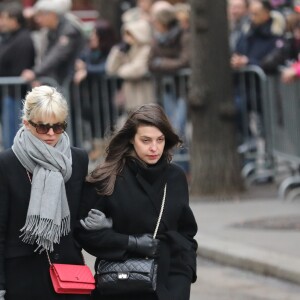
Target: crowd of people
[(264, 34), (154, 39), (47, 40), (57, 209)]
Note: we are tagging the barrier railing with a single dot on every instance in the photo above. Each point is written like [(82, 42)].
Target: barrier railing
[(269, 115), (93, 108), (95, 105), (284, 111), (250, 93)]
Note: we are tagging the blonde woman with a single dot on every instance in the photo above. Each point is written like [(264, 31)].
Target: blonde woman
[(41, 180)]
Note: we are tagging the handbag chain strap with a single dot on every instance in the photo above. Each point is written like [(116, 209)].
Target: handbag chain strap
[(48, 256), (161, 211)]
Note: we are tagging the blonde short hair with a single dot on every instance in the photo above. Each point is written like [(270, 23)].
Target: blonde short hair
[(45, 102)]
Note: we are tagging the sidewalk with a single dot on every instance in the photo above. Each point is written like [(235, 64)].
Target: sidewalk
[(258, 232)]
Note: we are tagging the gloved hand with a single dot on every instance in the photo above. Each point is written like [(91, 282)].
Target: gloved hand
[(96, 220), (143, 245), (2, 293)]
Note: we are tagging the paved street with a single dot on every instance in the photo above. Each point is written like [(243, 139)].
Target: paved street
[(219, 282)]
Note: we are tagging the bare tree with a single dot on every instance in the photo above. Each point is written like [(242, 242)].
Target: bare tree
[(214, 159)]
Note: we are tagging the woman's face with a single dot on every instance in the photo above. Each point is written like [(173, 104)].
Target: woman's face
[(51, 138), (94, 40), (149, 144)]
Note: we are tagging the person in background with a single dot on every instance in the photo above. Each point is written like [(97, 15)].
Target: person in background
[(291, 70), (65, 41), (257, 45), (238, 20), (41, 181), (170, 53), (130, 186), (291, 50), (92, 60), (183, 11), (91, 66), (129, 61), (141, 11), (16, 54)]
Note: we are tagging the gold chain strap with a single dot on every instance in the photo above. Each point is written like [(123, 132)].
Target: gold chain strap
[(161, 211)]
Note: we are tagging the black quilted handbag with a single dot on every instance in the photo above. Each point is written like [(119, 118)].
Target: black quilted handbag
[(135, 275), (131, 276)]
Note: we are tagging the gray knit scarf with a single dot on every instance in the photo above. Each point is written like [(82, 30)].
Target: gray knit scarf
[(48, 214)]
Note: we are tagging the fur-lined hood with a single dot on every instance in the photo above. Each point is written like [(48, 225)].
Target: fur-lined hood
[(140, 29), (278, 24)]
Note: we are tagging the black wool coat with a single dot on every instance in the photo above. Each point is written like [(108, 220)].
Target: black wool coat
[(134, 208), (15, 190)]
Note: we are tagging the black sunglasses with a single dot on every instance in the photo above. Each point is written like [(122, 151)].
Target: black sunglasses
[(44, 128)]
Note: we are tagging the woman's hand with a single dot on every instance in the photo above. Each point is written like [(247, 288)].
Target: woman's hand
[(143, 245), (96, 220)]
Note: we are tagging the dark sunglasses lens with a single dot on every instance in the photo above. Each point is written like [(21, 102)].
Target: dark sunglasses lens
[(42, 128), (58, 128)]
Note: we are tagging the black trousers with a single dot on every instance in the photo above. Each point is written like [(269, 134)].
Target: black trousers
[(28, 278)]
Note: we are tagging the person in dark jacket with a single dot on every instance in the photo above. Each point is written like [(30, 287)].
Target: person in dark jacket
[(130, 185), (92, 60), (64, 42), (16, 54), (260, 40), (291, 54), (41, 180), (170, 53)]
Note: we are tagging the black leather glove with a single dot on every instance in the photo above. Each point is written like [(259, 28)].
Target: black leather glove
[(143, 245)]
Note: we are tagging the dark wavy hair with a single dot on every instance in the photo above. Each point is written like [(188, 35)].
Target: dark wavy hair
[(15, 11), (120, 147), (106, 36)]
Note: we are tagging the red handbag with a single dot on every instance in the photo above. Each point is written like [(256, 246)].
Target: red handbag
[(71, 279)]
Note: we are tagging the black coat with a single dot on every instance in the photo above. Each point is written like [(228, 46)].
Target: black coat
[(16, 53), (260, 44), (134, 207), (64, 46), (15, 190)]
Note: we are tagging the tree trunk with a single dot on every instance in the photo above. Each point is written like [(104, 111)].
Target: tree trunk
[(111, 11), (215, 167)]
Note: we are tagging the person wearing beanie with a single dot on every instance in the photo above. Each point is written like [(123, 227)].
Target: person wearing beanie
[(129, 61), (65, 40), (170, 53)]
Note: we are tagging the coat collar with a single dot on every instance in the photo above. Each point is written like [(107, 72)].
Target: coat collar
[(152, 179)]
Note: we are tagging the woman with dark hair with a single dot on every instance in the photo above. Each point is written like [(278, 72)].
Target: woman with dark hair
[(93, 59), (130, 185)]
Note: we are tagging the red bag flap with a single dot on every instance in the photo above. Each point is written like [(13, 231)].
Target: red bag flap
[(74, 273)]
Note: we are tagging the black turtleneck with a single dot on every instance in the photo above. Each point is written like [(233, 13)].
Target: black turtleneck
[(149, 172)]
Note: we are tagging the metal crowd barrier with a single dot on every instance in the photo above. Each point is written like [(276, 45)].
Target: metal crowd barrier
[(93, 108), (268, 109), (250, 94), (284, 122), (177, 86), (95, 105)]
